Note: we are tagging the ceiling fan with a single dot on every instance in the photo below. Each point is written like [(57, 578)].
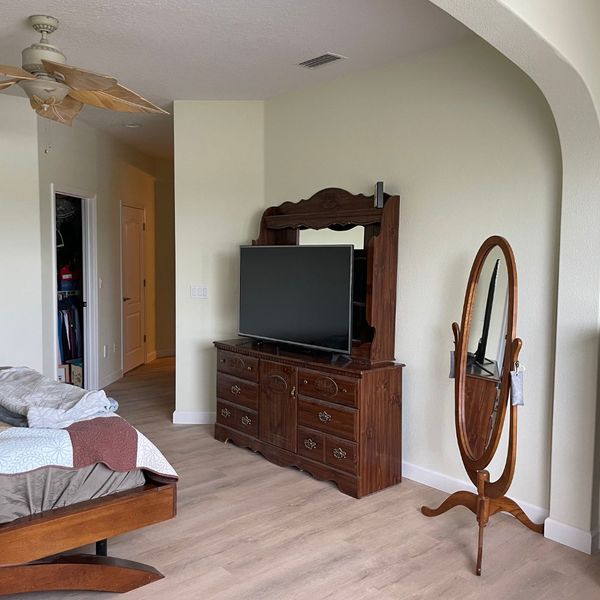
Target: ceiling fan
[(58, 91)]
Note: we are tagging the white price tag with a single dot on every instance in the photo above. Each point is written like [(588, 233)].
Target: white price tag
[(516, 385)]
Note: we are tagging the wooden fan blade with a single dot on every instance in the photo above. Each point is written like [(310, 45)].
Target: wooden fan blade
[(118, 98), (15, 72), (63, 113), (7, 83), (79, 79)]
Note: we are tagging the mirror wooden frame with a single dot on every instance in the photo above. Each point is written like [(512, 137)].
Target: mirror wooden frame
[(490, 497)]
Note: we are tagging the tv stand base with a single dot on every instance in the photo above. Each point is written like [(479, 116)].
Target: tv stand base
[(338, 421), (283, 458)]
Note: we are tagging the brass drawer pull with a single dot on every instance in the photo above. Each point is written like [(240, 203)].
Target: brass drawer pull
[(293, 392), (249, 368), (339, 453), (305, 381), (310, 444), (324, 416), (222, 360), (225, 413), (246, 420), (236, 389)]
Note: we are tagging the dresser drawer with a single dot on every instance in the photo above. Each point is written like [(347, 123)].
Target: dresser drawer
[(239, 365), (329, 418), (311, 444), (341, 454), (237, 391), (237, 417), (333, 388)]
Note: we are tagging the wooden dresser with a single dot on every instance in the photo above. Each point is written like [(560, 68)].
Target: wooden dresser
[(338, 421)]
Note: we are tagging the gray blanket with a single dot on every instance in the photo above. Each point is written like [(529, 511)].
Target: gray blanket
[(47, 403), (6, 416)]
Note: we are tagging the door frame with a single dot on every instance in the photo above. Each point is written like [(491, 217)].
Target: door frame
[(90, 280), (144, 299)]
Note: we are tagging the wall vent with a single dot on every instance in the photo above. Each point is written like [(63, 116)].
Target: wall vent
[(319, 61)]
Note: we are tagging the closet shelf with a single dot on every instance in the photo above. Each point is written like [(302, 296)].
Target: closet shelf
[(69, 293)]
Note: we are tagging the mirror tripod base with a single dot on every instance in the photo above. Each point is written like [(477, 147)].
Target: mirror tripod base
[(483, 507)]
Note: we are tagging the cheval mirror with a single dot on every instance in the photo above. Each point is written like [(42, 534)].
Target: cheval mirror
[(486, 351)]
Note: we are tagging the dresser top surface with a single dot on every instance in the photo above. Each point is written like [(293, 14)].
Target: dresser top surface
[(342, 364)]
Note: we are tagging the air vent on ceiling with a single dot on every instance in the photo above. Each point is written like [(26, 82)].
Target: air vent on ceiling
[(319, 61)]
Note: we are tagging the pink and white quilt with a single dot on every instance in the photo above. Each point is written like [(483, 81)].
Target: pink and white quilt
[(109, 440)]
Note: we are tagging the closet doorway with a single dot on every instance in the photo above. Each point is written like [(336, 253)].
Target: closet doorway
[(76, 328)]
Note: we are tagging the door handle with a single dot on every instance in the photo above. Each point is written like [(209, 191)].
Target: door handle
[(126, 298)]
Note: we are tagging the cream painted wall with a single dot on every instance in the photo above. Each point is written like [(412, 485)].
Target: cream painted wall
[(82, 159), (572, 28), (219, 196), (469, 143), (20, 266), (573, 32), (556, 43), (165, 258)]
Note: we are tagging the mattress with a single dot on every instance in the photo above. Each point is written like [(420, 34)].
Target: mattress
[(25, 494)]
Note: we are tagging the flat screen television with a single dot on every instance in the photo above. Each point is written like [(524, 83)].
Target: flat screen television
[(300, 295)]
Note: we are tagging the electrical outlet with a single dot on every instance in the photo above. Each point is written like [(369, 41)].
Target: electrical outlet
[(105, 350), (199, 292)]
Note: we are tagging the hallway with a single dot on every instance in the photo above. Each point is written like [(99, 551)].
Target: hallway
[(146, 395)]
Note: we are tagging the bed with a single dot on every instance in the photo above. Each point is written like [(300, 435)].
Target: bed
[(80, 476)]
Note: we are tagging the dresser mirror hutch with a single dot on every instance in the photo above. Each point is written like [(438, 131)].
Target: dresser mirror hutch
[(486, 351), (337, 417)]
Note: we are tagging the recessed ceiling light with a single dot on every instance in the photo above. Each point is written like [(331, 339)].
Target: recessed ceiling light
[(132, 125)]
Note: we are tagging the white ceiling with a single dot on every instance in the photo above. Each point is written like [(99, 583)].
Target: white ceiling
[(220, 49)]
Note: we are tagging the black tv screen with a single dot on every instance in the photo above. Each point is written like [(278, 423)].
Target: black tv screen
[(298, 295)]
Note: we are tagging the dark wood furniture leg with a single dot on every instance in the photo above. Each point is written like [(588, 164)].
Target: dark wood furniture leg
[(462, 498), (483, 514)]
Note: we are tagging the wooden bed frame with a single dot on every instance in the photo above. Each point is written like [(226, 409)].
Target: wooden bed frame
[(31, 547)]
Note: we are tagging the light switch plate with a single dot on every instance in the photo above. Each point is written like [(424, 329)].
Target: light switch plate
[(199, 292)]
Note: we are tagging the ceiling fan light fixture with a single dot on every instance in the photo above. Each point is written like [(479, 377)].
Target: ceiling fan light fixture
[(45, 90), (58, 91)]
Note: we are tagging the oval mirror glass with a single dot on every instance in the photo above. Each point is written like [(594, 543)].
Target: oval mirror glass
[(486, 347)]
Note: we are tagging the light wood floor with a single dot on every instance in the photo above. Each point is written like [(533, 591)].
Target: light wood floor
[(249, 530)]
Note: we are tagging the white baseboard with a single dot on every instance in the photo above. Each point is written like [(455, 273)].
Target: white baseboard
[(110, 378), (570, 536), (442, 482), (193, 417), (165, 353), (150, 356)]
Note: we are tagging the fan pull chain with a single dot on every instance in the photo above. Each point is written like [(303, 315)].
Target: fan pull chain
[(46, 131)]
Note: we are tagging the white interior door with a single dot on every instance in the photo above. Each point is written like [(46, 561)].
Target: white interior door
[(132, 223)]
